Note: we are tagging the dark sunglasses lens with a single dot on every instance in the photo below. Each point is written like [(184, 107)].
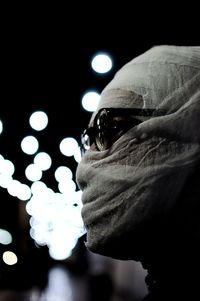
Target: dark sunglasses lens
[(102, 141), (102, 130)]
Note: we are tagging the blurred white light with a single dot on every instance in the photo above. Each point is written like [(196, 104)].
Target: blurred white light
[(63, 173), (39, 238), (68, 146), (13, 188), (39, 234), (43, 160), (30, 207), (101, 63), (29, 145), (5, 180), (6, 167), (60, 252), (1, 126), (59, 286), (38, 120), (90, 101), (60, 198), (67, 187), (77, 155), (24, 193), (38, 187), (78, 197), (9, 258), (33, 173), (5, 237), (60, 245), (74, 220)]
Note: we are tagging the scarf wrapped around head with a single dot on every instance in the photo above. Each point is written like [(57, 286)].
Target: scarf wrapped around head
[(130, 190)]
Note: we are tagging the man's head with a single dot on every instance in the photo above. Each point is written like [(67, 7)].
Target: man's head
[(142, 146)]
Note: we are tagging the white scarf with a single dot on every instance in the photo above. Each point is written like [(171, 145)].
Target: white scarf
[(140, 178)]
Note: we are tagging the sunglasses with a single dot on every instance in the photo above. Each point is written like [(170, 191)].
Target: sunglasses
[(110, 124)]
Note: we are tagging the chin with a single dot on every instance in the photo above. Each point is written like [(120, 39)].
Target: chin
[(116, 246)]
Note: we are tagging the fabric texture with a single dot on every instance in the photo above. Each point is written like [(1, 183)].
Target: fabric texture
[(131, 189)]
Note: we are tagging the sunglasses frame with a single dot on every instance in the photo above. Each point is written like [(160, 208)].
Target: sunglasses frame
[(93, 131)]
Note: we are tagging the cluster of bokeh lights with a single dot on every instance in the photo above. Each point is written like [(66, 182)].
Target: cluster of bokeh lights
[(55, 216)]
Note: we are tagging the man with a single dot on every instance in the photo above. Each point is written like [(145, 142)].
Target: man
[(140, 173)]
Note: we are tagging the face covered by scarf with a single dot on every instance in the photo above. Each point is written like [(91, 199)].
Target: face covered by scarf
[(130, 189)]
